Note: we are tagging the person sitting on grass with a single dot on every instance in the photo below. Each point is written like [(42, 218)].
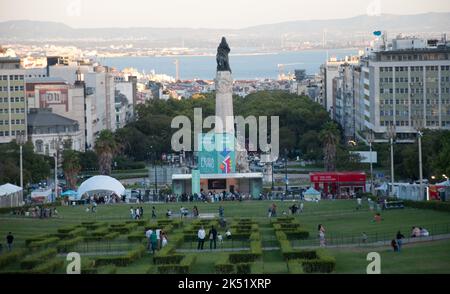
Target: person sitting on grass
[(377, 218), (228, 234), (424, 232), (415, 232)]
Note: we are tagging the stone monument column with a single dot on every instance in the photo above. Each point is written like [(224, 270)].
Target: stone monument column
[(224, 102)]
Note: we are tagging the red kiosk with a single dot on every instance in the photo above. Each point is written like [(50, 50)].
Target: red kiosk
[(340, 184)]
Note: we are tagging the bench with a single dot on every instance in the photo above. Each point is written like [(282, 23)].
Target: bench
[(394, 205)]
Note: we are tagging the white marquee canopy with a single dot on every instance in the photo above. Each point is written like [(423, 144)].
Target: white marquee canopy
[(101, 183)]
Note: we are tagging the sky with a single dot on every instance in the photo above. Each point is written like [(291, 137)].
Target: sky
[(203, 13)]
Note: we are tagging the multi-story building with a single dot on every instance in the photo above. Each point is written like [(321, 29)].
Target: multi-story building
[(13, 117), (330, 70), (66, 100), (345, 88), (99, 83), (49, 131), (406, 85)]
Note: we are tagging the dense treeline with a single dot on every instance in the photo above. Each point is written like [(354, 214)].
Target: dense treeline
[(301, 121), (305, 131)]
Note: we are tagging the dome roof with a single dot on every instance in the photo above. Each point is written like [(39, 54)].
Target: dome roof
[(101, 183)]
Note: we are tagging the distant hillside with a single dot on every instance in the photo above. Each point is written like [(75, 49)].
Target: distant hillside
[(308, 30)]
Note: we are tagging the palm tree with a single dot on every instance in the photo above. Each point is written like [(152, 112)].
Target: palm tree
[(329, 136), (71, 167), (105, 147)]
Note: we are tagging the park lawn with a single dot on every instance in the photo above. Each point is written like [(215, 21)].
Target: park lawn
[(420, 258), (339, 217)]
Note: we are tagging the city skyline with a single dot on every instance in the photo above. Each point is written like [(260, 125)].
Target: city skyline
[(204, 14)]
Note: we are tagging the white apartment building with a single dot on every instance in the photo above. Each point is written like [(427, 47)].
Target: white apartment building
[(406, 85)]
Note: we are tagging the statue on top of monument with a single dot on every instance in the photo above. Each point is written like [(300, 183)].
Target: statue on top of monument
[(222, 56)]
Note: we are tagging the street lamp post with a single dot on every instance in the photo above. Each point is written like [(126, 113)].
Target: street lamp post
[(21, 140), (285, 171), (273, 186), (392, 134), (370, 139), (418, 126)]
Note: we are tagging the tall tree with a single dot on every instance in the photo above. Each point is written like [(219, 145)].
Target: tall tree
[(330, 139), (71, 167), (105, 147)]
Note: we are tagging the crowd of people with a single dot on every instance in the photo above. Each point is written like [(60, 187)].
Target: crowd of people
[(36, 212), (156, 239), (137, 213)]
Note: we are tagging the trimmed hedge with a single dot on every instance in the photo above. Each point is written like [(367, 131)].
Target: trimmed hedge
[(43, 243), (66, 245), (37, 238), (122, 260), (136, 237), (434, 205), (48, 267), (36, 259), (223, 266), (243, 268), (295, 267), (100, 232), (184, 266), (10, 257)]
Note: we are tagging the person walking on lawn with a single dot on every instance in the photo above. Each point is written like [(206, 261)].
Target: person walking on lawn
[(201, 238), (212, 237)]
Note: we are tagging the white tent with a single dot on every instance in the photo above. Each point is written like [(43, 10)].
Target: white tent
[(101, 183), (311, 194), (10, 195)]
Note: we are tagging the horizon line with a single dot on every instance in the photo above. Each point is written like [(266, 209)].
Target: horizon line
[(219, 28)]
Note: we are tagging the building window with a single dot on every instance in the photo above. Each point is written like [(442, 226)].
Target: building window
[(39, 146)]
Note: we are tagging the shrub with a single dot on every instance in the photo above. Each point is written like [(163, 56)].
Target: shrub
[(223, 266), (10, 257), (324, 265), (111, 236), (167, 258), (434, 205), (66, 229), (66, 245), (243, 268), (242, 257), (43, 243), (298, 234), (136, 237), (37, 238), (37, 258), (183, 267), (48, 267), (295, 267), (100, 232), (122, 260)]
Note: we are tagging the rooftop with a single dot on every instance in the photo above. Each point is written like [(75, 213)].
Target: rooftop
[(44, 117)]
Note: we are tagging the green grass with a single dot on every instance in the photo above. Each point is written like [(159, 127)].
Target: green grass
[(340, 218), (426, 258)]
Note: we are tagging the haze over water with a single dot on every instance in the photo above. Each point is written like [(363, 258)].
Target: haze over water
[(244, 66)]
